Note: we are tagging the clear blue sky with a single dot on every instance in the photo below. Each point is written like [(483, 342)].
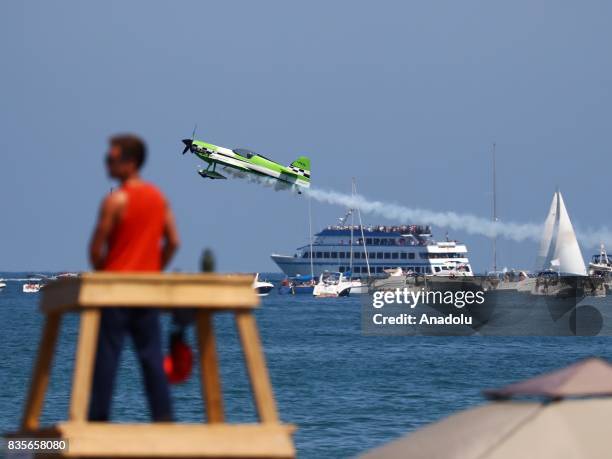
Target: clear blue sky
[(405, 96)]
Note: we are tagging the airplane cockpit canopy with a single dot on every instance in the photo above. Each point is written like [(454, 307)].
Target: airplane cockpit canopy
[(248, 153), (244, 152)]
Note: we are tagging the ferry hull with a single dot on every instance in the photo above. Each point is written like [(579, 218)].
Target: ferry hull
[(296, 266)]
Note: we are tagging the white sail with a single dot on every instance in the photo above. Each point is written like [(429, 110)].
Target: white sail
[(559, 247), (544, 254), (567, 250)]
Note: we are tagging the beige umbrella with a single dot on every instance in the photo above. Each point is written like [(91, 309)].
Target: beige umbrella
[(588, 377), (559, 428)]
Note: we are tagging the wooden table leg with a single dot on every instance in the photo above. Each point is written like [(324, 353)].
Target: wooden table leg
[(209, 368), (256, 365), (42, 371), (84, 364)]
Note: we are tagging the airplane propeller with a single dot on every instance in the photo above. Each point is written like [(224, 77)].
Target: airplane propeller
[(189, 142)]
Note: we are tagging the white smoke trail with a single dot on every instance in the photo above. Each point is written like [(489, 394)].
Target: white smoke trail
[(471, 224), (464, 222), (594, 237)]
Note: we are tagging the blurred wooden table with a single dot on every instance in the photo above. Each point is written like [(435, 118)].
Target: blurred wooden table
[(208, 294)]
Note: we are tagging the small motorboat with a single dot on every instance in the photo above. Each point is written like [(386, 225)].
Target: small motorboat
[(285, 287), (332, 284), (452, 269), (263, 288), (31, 287), (297, 285), (359, 286), (2, 284), (601, 265)]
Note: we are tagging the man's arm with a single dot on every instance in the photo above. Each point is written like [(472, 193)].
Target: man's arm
[(106, 221), (171, 238)]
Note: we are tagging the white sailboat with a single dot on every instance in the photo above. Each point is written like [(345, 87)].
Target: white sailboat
[(559, 249)]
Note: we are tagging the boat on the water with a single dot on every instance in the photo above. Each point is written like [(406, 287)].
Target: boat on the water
[(519, 280), (601, 264), (359, 286), (31, 287), (559, 249), (332, 284), (453, 270), (2, 284), (360, 253), (263, 288), (373, 250), (298, 285), (560, 261)]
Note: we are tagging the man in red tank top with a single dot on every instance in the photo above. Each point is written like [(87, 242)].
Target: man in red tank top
[(135, 232)]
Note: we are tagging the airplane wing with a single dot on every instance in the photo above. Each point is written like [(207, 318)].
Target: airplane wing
[(229, 161)]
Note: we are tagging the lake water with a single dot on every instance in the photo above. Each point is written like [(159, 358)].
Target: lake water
[(345, 392)]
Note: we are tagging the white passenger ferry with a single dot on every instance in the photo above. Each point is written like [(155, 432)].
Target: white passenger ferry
[(374, 249)]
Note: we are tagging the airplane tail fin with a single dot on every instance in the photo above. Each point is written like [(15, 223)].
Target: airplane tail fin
[(302, 166)]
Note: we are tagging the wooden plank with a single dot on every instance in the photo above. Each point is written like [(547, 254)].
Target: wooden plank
[(178, 440), (209, 368), (150, 290), (84, 364), (41, 372), (256, 365), (171, 440), (62, 292)]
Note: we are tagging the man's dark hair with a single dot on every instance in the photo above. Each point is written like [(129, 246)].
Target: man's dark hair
[(132, 148)]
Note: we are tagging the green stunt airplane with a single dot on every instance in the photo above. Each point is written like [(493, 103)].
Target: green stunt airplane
[(241, 162)]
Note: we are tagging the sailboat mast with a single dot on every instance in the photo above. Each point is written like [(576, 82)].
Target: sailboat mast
[(365, 251), (494, 212), (352, 235), (310, 235)]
